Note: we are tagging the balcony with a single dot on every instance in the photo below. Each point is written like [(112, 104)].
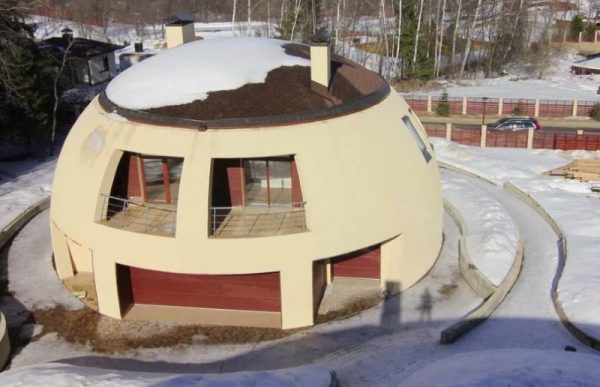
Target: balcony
[(257, 221), (145, 218)]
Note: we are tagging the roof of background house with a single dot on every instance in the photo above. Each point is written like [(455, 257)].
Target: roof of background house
[(180, 18), (81, 48), (243, 79)]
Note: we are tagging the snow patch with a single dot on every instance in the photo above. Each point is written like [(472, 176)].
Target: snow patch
[(569, 202), (510, 367), (189, 72), (492, 236), (56, 374)]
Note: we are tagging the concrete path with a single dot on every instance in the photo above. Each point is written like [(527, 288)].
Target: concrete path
[(526, 318)]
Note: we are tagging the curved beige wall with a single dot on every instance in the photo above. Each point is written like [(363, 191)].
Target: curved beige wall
[(4, 342), (363, 177)]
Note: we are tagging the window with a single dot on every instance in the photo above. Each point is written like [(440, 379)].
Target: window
[(105, 66), (413, 130)]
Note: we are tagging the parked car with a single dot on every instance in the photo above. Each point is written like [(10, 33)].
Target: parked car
[(516, 123)]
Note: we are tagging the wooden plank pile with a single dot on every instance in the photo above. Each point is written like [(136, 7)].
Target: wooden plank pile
[(580, 169)]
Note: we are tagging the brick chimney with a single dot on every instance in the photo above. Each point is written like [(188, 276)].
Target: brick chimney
[(179, 29), (320, 63)]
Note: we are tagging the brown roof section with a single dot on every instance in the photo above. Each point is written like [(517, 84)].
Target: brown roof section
[(286, 97), (287, 90)]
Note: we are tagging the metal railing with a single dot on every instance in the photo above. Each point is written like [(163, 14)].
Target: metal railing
[(139, 217), (257, 220)]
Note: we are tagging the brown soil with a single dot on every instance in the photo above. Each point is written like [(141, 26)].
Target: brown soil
[(286, 90), (447, 289), (350, 310), (107, 335)]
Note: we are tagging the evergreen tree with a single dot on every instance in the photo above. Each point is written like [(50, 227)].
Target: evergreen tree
[(24, 79), (577, 25), (443, 108)]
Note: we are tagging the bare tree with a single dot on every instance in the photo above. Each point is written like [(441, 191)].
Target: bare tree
[(248, 29), (414, 60), (455, 33), (441, 39), (469, 40), (59, 71), (233, 16)]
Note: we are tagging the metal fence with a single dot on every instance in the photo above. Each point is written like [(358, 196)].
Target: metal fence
[(257, 220), (516, 139), (504, 106), (139, 217)]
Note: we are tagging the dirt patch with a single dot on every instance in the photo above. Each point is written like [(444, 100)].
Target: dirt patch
[(350, 310), (447, 290), (107, 335)]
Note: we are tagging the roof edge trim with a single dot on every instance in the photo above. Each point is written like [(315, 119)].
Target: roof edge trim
[(352, 106)]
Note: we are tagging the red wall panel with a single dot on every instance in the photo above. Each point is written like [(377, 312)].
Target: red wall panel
[(133, 180), (259, 292), (364, 263), (235, 176), (296, 187)]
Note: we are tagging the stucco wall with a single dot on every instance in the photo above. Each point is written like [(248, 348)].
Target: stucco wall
[(97, 68), (177, 35), (4, 342), (363, 177)]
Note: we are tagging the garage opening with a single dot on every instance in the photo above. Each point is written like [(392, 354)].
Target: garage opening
[(364, 263), (246, 293)]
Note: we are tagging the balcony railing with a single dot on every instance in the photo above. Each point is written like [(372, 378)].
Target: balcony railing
[(257, 220), (146, 218)]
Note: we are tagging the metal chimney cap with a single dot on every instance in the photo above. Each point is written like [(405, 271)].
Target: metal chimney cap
[(320, 39), (67, 31)]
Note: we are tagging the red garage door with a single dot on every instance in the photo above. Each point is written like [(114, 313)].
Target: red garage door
[(257, 292), (364, 263)]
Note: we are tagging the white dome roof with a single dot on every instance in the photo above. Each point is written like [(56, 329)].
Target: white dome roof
[(189, 72)]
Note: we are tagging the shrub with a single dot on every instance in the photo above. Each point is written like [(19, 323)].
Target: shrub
[(519, 109), (443, 108), (595, 112)]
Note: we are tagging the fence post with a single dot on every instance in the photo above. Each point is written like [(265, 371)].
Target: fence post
[(579, 37), (483, 136), (464, 105), (530, 138), (574, 113), (536, 108), (448, 131), (429, 104), (500, 105)]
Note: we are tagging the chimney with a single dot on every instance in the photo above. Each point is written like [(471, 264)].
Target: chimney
[(320, 62), (67, 34), (180, 29), (139, 46)]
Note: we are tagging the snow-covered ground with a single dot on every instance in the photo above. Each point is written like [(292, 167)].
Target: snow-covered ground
[(60, 375), (492, 237), (511, 367), (557, 83), (22, 184), (379, 347), (570, 203)]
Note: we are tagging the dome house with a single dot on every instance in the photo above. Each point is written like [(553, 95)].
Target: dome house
[(230, 181)]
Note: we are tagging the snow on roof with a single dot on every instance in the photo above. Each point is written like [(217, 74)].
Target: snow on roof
[(189, 72), (593, 63)]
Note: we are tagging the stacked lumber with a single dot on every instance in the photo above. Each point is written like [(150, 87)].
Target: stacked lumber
[(580, 169)]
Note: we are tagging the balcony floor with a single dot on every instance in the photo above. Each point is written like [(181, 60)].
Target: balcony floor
[(244, 222), (159, 220)]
